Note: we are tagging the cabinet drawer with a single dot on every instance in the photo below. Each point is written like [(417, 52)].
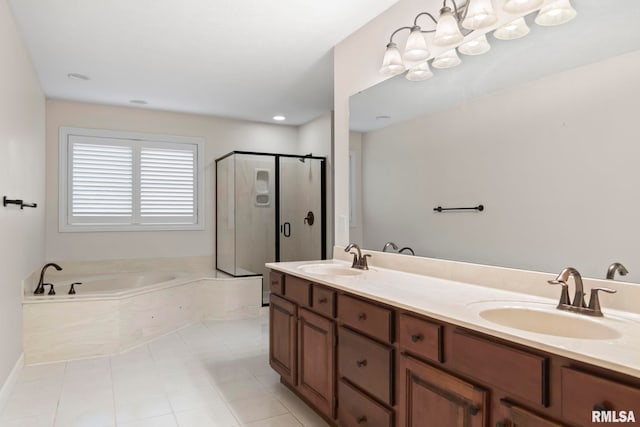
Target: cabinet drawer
[(371, 319), (276, 282), (521, 373), (420, 337), (520, 417), (356, 410), (366, 364), (297, 290), (323, 300), (583, 393)]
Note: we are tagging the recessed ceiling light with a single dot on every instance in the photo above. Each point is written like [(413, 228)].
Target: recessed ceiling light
[(279, 118), (139, 101), (383, 117), (76, 76)]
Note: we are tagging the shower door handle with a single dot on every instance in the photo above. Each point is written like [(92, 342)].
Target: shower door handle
[(287, 229)]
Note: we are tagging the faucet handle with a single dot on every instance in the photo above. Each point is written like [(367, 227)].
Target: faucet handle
[(594, 300), (564, 296), (51, 290), (354, 264), (363, 262)]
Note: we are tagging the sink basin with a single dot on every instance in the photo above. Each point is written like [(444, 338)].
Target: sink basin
[(550, 321), (330, 270)]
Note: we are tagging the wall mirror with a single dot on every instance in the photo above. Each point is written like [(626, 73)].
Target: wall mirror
[(544, 131)]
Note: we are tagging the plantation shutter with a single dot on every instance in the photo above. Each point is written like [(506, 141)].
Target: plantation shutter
[(100, 181), (168, 184)]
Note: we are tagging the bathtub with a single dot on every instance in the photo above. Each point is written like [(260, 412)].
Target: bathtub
[(110, 284), (111, 313)]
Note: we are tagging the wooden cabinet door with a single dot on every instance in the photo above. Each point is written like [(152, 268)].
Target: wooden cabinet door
[(282, 338), (429, 397), (316, 360)]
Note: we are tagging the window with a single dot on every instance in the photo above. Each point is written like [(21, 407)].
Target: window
[(122, 181)]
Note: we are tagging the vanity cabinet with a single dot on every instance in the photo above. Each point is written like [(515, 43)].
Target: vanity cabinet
[(361, 363), (302, 339), (430, 397)]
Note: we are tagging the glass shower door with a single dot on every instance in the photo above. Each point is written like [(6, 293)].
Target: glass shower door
[(301, 209)]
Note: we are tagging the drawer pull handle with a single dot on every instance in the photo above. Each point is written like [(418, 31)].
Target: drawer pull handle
[(416, 338), (274, 282), (362, 420), (501, 424), (361, 363), (322, 301), (474, 410), (362, 316), (600, 407)]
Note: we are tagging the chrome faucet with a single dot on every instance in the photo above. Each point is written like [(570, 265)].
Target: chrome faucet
[(41, 284), (359, 260), (578, 305), (386, 246), (616, 267)]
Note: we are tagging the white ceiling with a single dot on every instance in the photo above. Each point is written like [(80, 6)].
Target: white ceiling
[(247, 59), (602, 29)]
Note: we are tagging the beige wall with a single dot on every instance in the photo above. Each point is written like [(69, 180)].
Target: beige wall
[(22, 113), (221, 136)]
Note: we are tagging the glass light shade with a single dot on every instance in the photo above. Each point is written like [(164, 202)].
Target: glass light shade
[(447, 59), (416, 48), (420, 72), (513, 30), (480, 14), (556, 13), (477, 46), (521, 6), (392, 61), (447, 31)]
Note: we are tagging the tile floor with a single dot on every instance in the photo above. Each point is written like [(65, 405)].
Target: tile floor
[(209, 374)]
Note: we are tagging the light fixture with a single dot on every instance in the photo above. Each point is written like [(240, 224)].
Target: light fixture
[(460, 19), (420, 72), (448, 59), (480, 14), (392, 62), (513, 30), (477, 46), (521, 6), (447, 29), (556, 13), (279, 118), (138, 101), (416, 47)]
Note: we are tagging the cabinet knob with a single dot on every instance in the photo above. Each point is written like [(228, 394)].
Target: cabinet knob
[(501, 424), (362, 420), (361, 363), (474, 410), (274, 282), (322, 301), (416, 338), (600, 407), (362, 316)]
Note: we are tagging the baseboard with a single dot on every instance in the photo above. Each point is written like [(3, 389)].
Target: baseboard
[(7, 387)]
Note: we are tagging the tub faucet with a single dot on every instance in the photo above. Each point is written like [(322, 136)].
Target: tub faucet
[(386, 246), (40, 287), (359, 260), (616, 267)]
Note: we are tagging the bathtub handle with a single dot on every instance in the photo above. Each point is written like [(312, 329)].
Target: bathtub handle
[(72, 289), (51, 290)]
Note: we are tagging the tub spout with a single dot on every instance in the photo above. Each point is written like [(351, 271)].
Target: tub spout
[(40, 287)]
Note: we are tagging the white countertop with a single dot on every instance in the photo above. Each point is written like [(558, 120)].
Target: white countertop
[(460, 304)]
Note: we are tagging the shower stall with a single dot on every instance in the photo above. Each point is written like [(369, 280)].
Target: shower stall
[(269, 207)]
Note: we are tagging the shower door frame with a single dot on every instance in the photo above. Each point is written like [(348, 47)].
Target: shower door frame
[(323, 203)]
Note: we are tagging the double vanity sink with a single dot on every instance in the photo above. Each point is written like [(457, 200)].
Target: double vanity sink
[(383, 347), (527, 319)]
